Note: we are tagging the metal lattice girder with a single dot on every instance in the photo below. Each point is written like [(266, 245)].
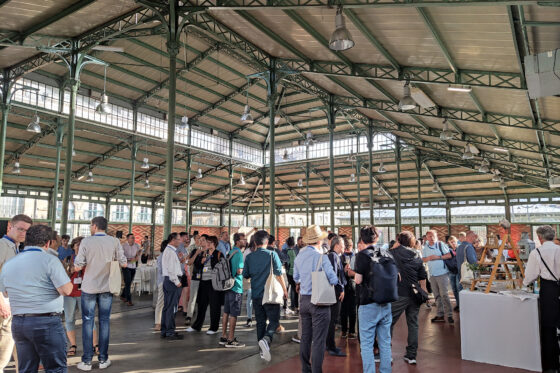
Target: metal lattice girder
[(49, 130), (107, 155), (327, 182), (427, 75), (194, 178), (292, 191), (350, 4), (89, 39), (222, 189)]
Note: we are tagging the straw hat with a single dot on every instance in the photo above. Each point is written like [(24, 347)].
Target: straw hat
[(314, 234)]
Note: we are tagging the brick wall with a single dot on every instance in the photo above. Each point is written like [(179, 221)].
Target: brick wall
[(345, 230), (409, 228), (516, 230), (456, 229), (441, 230)]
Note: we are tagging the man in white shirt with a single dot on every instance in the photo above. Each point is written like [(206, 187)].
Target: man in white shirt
[(132, 252), (171, 270), (544, 262), (97, 251)]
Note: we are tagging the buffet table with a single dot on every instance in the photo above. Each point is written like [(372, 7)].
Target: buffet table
[(145, 278), (500, 329)]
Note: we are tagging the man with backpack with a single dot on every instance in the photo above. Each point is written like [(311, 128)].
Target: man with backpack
[(434, 253), (233, 296), (376, 280)]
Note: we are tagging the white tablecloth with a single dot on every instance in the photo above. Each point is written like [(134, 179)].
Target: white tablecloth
[(145, 279), (499, 329)]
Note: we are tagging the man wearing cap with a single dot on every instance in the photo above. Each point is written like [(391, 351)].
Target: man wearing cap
[(314, 319)]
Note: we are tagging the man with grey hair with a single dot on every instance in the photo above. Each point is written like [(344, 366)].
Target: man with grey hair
[(544, 262), (465, 250)]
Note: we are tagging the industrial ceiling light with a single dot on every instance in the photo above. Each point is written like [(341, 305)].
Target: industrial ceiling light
[(247, 118), (89, 177), (145, 164), (277, 118), (16, 170), (502, 183), (73, 152), (341, 39), (407, 102), (34, 126), (103, 107), (300, 183), (292, 197), (380, 192), (496, 176), (381, 169), (459, 88), (484, 166), (285, 156), (353, 178), (147, 183), (435, 188), (467, 153), (446, 133), (184, 122), (199, 174), (309, 140), (241, 180)]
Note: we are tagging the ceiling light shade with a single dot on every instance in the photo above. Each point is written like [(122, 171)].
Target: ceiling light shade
[(341, 39), (285, 156), (247, 118), (407, 102), (435, 188), (16, 169), (309, 140), (199, 174), (292, 197), (381, 169), (184, 122), (459, 88), (380, 192), (446, 133), (145, 164), (496, 177), (34, 126), (300, 183), (353, 178), (90, 177), (73, 152), (483, 168), (502, 183), (467, 154), (277, 118), (241, 180), (103, 107), (147, 184)]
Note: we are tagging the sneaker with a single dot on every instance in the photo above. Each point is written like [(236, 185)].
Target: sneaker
[(223, 341), (344, 335), (188, 321), (249, 323), (190, 329), (265, 350), (282, 312), (450, 320), (289, 312), (235, 344), (105, 364), (409, 360), (337, 352), (438, 319), (352, 336), (377, 358), (175, 337), (84, 366), (296, 339), (210, 332)]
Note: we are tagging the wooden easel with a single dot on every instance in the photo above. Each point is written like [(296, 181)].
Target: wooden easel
[(498, 262)]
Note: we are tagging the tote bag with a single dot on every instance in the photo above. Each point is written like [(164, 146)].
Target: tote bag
[(322, 292), (273, 292), (467, 275), (115, 280)]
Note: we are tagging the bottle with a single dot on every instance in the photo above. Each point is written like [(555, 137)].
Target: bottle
[(536, 287)]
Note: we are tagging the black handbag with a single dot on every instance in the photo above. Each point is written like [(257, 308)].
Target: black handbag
[(450, 263), (418, 294)]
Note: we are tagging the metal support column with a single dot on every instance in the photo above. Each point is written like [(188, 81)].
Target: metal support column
[(352, 222), (419, 182), (370, 166), (307, 195), (188, 214), (448, 216), (230, 196), (507, 206), (107, 208), (133, 151), (398, 206), (312, 215), (331, 117), (263, 195), (59, 142), (271, 98), (153, 227), (221, 217), (5, 107)]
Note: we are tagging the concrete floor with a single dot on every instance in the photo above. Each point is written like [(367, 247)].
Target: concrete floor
[(136, 348)]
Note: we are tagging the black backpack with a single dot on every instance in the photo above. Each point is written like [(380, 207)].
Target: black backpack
[(450, 263), (381, 284)]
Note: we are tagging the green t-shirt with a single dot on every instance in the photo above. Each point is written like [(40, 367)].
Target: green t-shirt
[(237, 263)]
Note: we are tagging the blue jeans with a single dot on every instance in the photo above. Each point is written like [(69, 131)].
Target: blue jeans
[(374, 318), (104, 301), (249, 304), (455, 285), (40, 339), (264, 312)]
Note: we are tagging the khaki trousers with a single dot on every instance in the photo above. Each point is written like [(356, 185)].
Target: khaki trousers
[(6, 343)]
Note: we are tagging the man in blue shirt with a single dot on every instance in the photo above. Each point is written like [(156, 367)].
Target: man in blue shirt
[(35, 282), (257, 268), (465, 251), (223, 245), (234, 296), (314, 319), (64, 251), (433, 253)]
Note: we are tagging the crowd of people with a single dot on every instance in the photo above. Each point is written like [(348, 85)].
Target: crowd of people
[(320, 277)]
